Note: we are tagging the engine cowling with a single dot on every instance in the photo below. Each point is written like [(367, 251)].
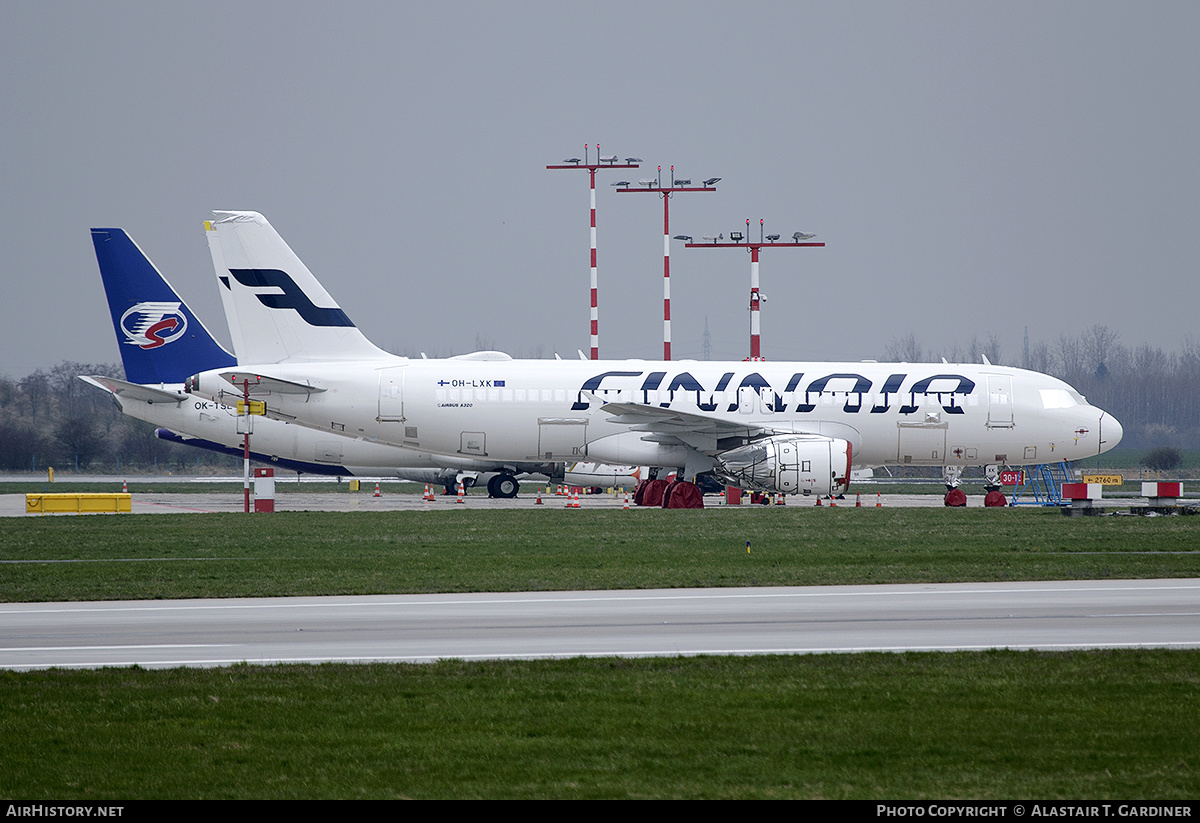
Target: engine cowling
[(789, 463)]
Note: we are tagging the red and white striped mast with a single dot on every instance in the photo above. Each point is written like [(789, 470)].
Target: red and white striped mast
[(657, 187), (741, 241), (611, 163)]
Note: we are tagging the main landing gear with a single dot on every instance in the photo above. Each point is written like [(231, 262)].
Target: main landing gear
[(503, 485)]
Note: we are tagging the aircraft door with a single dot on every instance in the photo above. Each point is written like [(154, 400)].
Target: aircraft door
[(922, 439), (1000, 401), (561, 439), (391, 395)]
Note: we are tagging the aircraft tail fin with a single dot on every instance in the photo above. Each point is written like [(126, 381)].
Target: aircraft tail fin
[(276, 309), (161, 341)]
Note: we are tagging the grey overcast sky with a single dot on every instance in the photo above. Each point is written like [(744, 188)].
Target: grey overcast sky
[(975, 168)]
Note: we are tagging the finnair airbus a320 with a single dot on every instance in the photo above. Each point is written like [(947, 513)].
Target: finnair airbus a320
[(780, 427)]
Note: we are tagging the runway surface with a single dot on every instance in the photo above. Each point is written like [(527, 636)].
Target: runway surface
[(420, 628)]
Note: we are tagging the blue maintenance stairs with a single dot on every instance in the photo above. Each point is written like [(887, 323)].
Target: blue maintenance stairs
[(1042, 486)]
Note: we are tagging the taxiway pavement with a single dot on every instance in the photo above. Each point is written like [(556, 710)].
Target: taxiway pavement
[(419, 628)]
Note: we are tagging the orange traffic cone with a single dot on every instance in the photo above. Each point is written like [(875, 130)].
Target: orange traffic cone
[(878, 504), (858, 500), (538, 502), (460, 493), (124, 487), (626, 506), (818, 502), (377, 494)]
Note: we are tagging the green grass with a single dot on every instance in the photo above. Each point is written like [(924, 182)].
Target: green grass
[(324, 553), (1128, 459), (1120, 724), (1110, 724)]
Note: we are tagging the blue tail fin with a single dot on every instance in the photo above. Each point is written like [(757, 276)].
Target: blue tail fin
[(161, 340)]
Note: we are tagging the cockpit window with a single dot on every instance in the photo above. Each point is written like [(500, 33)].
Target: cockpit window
[(1059, 398)]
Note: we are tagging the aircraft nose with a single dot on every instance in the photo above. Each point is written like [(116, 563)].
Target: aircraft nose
[(1110, 431)]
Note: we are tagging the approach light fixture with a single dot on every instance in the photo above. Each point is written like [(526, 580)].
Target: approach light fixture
[(712, 181)]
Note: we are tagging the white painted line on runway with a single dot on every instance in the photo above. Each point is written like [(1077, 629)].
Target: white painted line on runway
[(15, 649)]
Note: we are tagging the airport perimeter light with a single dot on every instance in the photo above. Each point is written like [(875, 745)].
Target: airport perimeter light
[(601, 163), (740, 241), (665, 192)]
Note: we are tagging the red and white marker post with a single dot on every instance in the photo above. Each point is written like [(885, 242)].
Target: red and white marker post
[(592, 168)]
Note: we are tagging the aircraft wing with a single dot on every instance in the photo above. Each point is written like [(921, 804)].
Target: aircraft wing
[(671, 425), (133, 391)]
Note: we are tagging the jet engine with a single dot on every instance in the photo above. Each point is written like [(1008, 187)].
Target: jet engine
[(789, 463)]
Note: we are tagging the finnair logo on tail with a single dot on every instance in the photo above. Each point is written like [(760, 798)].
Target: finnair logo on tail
[(293, 297), (150, 325)]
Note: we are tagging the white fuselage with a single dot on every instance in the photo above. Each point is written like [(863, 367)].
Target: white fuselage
[(537, 410), (204, 419)]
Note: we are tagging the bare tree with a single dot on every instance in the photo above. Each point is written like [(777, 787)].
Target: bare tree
[(36, 389), (992, 348), (1096, 346), (1040, 358), (1069, 358), (905, 350)]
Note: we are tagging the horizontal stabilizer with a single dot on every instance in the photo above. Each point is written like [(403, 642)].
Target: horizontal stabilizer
[(261, 383), (134, 391)]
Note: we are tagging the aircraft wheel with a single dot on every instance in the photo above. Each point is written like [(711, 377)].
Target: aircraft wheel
[(504, 486)]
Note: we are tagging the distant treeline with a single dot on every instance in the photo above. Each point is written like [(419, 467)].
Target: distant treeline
[(52, 418), (1155, 394)]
